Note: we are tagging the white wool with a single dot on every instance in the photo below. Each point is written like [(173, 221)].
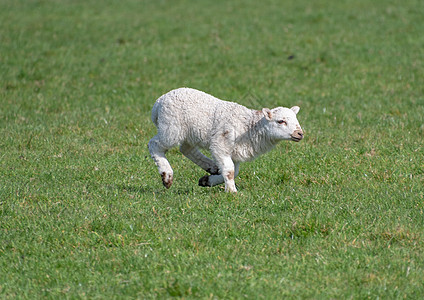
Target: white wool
[(233, 133)]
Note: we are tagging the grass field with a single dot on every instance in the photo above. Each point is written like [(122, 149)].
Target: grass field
[(83, 213)]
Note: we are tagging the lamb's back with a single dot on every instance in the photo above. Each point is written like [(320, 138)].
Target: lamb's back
[(198, 109), (199, 115)]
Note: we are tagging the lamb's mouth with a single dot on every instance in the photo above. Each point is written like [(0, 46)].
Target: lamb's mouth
[(297, 135)]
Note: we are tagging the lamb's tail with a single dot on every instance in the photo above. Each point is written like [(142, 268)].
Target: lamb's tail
[(155, 112)]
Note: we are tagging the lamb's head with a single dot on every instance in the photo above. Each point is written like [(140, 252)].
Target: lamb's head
[(282, 123)]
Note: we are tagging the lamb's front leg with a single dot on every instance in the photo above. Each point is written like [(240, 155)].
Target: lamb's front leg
[(221, 147), (226, 166)]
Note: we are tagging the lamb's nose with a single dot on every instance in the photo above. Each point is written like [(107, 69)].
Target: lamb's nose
[(297, 135)]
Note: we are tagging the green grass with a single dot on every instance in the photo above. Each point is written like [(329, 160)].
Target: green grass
[(83, 213)]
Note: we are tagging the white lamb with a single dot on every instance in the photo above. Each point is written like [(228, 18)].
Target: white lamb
[(231, 132)]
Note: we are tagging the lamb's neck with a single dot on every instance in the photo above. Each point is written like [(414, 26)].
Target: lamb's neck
[(256, 140), (261, 141)]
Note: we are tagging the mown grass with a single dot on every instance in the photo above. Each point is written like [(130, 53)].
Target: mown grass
[(83, 213)]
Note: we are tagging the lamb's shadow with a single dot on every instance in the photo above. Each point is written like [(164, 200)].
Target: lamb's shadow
[(150, 190)]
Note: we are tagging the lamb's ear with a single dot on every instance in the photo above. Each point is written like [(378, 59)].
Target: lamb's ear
[(267, 113), (295, 109)]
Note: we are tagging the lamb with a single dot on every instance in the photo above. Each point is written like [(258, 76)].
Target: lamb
[(192, 119)]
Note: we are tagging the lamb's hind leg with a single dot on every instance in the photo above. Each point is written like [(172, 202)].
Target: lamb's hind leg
[(212, 180), (157, 152), (199, 159)]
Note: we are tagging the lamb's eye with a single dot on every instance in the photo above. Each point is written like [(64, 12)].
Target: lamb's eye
[(282, 122)]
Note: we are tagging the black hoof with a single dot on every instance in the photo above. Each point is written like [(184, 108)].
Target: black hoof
[(213, 171), (204, 181)]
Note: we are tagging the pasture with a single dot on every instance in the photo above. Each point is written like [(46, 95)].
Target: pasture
[(83, 213)]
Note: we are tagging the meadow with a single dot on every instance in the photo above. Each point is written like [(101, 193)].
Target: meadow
[(84, 215)]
